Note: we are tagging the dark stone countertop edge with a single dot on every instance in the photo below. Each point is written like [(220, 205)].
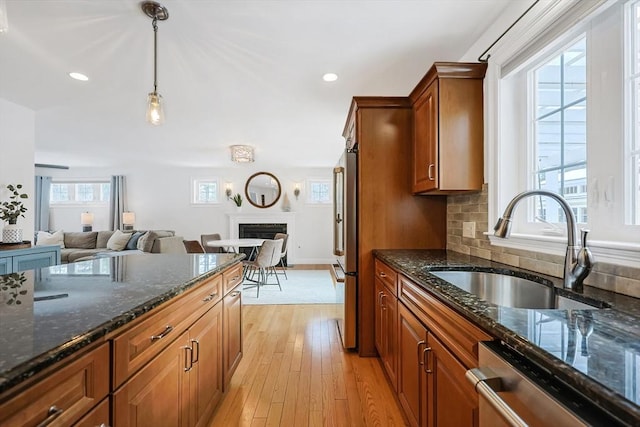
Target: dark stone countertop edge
[(616, 404), (28, 369)]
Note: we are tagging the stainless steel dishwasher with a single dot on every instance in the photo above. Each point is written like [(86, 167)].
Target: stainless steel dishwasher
[(513, 391)]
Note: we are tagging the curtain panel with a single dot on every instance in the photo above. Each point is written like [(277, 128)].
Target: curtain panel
[(118, 201), (42, 204)]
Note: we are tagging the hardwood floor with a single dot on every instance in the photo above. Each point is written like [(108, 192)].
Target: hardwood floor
[(295, 373)]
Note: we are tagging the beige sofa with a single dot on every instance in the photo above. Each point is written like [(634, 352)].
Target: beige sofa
[(78, 245)]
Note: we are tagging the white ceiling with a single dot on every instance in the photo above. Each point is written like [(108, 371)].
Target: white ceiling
[(231, 72)]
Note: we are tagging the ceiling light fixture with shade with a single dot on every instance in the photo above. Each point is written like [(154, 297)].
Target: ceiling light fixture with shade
[(155, 108), (242, 153)]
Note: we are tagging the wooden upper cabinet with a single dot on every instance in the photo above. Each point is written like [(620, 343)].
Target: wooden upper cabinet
[(448, 154)]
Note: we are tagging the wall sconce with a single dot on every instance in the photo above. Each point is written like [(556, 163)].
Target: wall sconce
[(86, 220), (128, 219), (228, 190), (242, 153), (296, 190)]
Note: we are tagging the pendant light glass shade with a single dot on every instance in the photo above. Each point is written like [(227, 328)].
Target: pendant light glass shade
[(155, 109)]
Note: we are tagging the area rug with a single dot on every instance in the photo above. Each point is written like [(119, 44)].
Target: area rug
[(302, 287)]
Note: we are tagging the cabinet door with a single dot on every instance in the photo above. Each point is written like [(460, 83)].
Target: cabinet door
[(425, 141), (390, 336), (158, 394), (412, 381), (232, 335), (5, 265), (379, 290), (205, 376), (454, 402), (31, 261)]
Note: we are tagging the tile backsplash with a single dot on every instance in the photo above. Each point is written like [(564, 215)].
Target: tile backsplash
[(474, 207)]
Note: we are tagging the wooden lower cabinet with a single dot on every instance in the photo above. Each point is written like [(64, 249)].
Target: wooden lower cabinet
[(454, 401), (232, 333), (182, 385), (97, 417), (432, 348), (63, 397), (386, 330), (205, 375), (412, 377)]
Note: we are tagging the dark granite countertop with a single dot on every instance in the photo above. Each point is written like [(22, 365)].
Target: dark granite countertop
[(597, 352), (47, 314)]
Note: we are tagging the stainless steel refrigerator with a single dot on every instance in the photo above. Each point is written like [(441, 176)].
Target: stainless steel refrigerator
[(345, 240)]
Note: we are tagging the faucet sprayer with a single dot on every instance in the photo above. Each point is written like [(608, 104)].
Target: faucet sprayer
[(578, 261)]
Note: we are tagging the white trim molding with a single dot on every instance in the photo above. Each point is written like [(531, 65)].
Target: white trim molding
[(603, 251)]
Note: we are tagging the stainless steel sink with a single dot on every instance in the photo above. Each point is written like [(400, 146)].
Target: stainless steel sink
[(511, 291)]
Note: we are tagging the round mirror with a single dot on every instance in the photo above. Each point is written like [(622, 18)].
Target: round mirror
[(262, 189)]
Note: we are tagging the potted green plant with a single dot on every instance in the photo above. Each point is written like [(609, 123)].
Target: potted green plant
[(11, 284), (237, 199), (10, 211)]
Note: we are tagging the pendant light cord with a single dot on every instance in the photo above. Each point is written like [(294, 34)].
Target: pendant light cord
[(155, 55)]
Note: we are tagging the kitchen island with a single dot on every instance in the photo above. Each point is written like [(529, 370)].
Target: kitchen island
[(108, 321), (596, 352)]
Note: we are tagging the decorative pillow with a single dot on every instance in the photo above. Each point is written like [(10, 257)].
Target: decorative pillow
[(132, 244), (103, 238), (44, 238), (145, 243), (118, 241), (80, 239)]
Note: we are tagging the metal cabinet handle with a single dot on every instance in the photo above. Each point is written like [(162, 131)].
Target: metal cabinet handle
[(196, 346), (430, 171), (210, 297), (420, 358), (425, 360), (382, 274), (163, 334), (188, 358), (234, 294), (487, 384), (53, 413), (380, 297)]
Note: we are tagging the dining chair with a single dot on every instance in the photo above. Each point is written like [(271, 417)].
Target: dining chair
[(267, 258), (193, 247), (285, 240), (205, 238)]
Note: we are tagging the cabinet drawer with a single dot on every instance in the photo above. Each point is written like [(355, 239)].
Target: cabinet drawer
[(99, 416), (232, 278), (457, 333), (64, 396), (139, 344), (387, 276)]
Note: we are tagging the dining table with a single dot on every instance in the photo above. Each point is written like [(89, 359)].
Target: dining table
[(233, 245)]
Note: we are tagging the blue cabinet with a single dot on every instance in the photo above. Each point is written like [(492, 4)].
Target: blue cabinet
[(13, 260)]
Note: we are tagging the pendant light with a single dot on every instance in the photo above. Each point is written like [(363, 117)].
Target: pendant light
[(155, 110)]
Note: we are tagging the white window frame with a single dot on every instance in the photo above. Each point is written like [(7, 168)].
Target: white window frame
[(504, 159), (195, 184), (76, 203), (309, 193), (632, 204)]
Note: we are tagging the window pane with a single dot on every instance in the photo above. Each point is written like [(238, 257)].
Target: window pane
[(560, 132), (84, 192), (59, 193)]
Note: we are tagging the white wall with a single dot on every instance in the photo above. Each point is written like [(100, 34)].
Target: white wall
[(17, 125), (161, 199)]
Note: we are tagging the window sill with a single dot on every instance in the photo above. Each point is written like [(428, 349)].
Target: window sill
[(627, 254)]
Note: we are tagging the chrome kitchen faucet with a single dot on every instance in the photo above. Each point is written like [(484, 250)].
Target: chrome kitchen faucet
[(577, 261)]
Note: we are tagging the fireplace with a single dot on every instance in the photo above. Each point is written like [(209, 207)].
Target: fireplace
[(260, 231)]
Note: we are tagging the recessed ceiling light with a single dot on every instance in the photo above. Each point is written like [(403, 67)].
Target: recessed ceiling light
[(79, 76), (330, 77)]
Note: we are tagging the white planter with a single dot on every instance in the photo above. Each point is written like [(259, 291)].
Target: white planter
[(11, 234)]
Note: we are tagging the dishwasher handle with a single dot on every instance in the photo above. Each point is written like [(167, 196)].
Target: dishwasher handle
[(487, 384)]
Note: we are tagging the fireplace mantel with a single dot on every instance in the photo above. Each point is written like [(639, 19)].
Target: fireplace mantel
[(289, 218)]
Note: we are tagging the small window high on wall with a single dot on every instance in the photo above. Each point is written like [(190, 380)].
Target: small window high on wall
[(205, 191), (80, 193)]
